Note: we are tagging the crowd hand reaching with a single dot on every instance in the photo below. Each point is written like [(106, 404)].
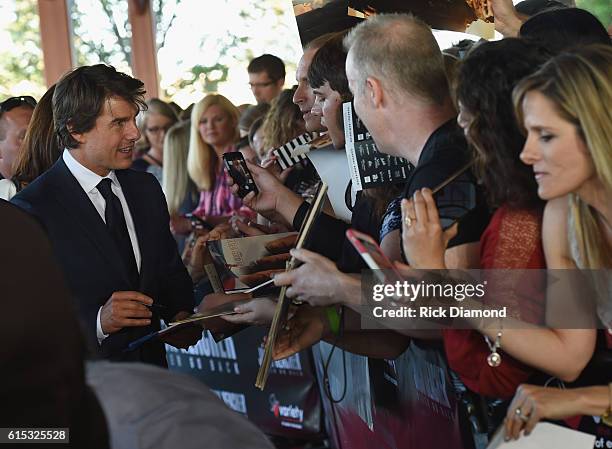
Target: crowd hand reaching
[(507, 20), (267, 184), (423, 239), (180, 225), (125, 309), (308, 326), (220, 232), (533, 403), (269, 163), (195, 259), (314, 282), (248, 228), (186, 337), (257, 312)]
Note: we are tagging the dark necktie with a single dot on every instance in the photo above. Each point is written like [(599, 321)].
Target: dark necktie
[(115, 223)]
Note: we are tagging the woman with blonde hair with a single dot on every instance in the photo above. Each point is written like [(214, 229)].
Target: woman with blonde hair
[(214, 132), (153, 124), (565, 109), (181, 193)]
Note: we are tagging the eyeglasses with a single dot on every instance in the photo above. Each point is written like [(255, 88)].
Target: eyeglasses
[(14, 102), (266, 84)]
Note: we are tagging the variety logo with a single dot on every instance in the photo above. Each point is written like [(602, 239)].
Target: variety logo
[(290, 415)]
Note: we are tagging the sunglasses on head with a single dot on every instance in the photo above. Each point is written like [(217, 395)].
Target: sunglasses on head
[(14, 102)]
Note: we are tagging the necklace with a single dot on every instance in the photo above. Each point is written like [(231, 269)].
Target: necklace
[(494, 359)]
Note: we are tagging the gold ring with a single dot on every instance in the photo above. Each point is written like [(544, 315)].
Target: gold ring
[(408, 220)]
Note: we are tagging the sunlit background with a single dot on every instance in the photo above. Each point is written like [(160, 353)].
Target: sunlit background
[(203, 45)]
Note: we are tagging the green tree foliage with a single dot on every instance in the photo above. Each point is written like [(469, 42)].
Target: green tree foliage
[(602, 9), (21, 57), (101, 33)]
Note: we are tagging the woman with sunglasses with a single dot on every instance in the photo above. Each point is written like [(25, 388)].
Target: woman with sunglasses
[(15, 115)]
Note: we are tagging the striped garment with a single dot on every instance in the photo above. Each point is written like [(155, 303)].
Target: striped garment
[(220, 201)]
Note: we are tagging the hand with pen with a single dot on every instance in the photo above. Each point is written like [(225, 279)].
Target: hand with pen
[(125, 309)]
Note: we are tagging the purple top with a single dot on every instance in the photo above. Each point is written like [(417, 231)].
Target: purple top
[(220, 201)]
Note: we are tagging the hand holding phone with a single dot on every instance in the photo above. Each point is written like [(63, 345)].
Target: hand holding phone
[(237, 168)]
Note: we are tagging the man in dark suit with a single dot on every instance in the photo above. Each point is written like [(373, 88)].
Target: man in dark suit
[(108, 225)]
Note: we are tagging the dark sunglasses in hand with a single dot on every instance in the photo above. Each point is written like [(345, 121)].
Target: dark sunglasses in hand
[(14, 102)]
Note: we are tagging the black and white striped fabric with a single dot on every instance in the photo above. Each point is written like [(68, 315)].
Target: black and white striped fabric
[(293, 151)]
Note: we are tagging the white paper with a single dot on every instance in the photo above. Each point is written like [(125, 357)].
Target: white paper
[(332, 167), (546, 436)]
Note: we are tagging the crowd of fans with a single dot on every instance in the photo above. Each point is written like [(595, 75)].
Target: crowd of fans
[(529, 114)]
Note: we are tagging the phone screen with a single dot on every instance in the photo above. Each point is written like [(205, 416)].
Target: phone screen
[(240, 173)]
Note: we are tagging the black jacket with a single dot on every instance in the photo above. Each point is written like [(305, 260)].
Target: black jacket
[(91, 263)]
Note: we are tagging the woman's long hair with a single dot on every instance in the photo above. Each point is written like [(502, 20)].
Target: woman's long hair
[(40, 148), (578, 84), (283, 121), (484, 88), (202, 162), (175, 179)]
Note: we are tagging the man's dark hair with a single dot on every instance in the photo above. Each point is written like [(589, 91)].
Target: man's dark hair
[(80, 95), (561, 29), (272, 65), (328, 64)]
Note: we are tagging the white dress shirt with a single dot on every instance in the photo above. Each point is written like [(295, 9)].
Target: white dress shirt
[(89, 182)]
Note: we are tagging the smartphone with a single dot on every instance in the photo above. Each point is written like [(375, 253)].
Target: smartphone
[(237, 168), (198, 222), (372, 255)]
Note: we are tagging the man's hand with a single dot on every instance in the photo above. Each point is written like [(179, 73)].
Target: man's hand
[(316, 282), (307, 327), (507, 21), (269, 163), (423, 239), (267, 184), (188, 336), (125, 309), (257, 312)]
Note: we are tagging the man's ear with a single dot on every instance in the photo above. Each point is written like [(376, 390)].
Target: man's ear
[(374, 92), (281, 83), (79, 137)]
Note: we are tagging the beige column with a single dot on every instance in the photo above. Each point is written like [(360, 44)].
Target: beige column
[(144, 50), (55, 38)]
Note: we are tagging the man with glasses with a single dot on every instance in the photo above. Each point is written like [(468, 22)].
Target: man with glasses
[(266, 77), (15, 115)]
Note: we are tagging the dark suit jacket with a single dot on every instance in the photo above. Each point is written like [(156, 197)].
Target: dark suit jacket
[(92, 264)]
